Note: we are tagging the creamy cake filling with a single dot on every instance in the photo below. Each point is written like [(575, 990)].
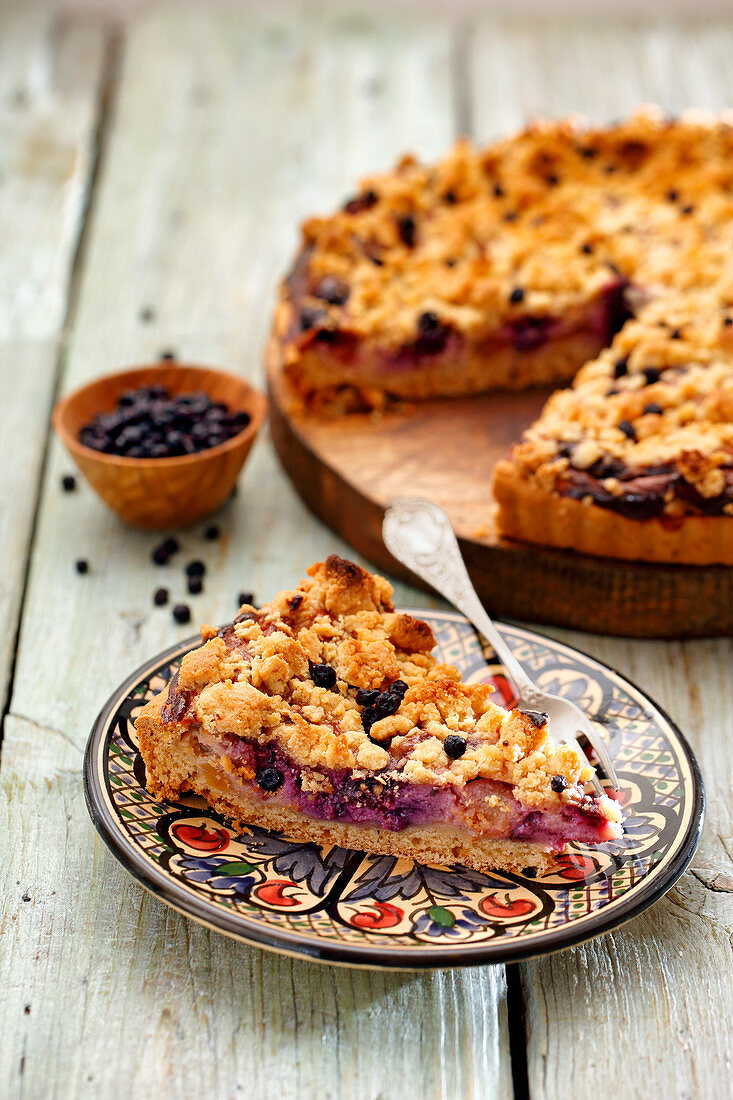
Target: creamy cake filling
[(483, 807)]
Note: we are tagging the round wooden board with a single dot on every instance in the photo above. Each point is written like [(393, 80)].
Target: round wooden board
[(348, 468)]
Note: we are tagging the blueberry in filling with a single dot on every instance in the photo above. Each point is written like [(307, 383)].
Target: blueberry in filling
[(322, 675)]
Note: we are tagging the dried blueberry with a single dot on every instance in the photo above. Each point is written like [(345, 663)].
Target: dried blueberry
[(558, 783), (82, 566), (398, 687), (454, 746), (620, 368), (367, 697), (195, 569), (586, 249), (407, 229), (538, 718), (68, 483), (672, 196), (651, 374), (627, 428), (322, 675), (245, 598), (295, 602), (310, 317), (675, 334), (498, 191), (516, 296), (182, 613), (333, 290), (386, 703), (653, 407), (160, 597), (368, 717), (270, 779)]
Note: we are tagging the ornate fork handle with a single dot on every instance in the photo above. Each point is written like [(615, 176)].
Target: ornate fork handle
[(419, 534)]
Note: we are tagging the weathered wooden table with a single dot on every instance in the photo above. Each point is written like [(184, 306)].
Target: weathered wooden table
[(152, 176)]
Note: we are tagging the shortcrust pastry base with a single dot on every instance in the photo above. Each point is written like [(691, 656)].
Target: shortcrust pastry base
[(176, 765), (534, 515)]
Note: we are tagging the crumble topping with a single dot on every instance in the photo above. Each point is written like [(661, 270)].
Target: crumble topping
[(535, 225), (392, 713)]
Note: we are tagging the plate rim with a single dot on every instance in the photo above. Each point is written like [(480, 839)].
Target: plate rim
[(374, 956)]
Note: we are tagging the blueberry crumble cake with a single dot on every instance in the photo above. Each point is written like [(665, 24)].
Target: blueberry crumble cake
[(325, 715), (516, 265)]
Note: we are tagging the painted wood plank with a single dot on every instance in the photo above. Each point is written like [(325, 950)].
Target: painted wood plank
[(50, 71), (644, 1005), (227, 128)]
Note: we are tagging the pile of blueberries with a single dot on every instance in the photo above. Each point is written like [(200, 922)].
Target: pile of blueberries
[(148, 422)]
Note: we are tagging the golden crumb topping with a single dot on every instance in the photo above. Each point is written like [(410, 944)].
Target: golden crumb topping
[(338, 679), (538, 224)]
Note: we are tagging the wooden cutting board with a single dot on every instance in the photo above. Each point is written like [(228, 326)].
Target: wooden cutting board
[(347, 469)]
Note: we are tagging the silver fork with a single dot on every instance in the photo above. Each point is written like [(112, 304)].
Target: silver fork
[(419, 534)]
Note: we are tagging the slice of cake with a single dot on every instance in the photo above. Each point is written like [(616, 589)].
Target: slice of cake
[(325, 716), (635, 460)]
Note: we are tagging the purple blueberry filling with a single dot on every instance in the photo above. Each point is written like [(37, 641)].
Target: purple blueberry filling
[(390, 804)]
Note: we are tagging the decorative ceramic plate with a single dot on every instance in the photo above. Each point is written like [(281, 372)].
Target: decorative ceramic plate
[(341, 906)]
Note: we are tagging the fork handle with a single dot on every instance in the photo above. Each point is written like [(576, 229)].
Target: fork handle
[(419, 534)]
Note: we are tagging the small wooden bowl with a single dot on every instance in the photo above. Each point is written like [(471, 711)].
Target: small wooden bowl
[(161, 492)]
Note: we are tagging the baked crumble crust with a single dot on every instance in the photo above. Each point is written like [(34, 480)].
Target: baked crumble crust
[(535, 225), (256, 680)]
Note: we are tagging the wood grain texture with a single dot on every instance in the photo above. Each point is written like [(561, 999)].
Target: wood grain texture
[(50, 69), (347, 469), (643, 1005), (225, 131)]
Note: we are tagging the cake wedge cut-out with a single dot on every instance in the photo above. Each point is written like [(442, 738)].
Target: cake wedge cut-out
[(324, 715)]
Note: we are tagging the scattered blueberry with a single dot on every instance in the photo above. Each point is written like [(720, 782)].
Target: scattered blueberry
[(450, 198), (195, 569), (172, 545), (627, 428), (454, 746), (82, 566), (689, 209), (161, 554), (195, 585), (160, 597), (367, 697), (246, 598), (270, 779), (586, 249), (675, 334), (150, 422), (211, 533), (728, 321), (295, 602), (169, 355), (322, 675), (653, 407), (516, 296), (558, 783), (68, 483), (397, 687), (651, 374), (620, 368), (530, 872), (498, 191), (672, 196), (182, 613)]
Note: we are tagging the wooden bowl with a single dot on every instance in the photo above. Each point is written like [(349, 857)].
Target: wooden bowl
[(161, 492)]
